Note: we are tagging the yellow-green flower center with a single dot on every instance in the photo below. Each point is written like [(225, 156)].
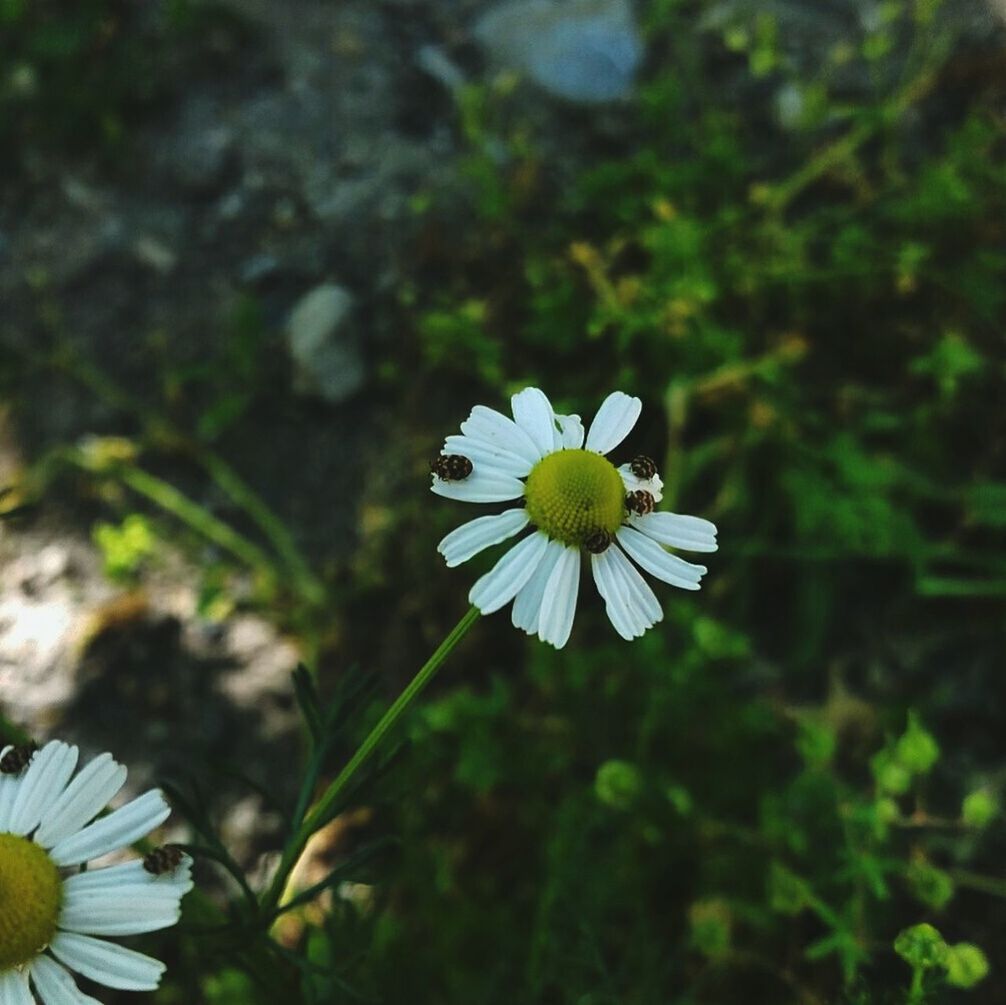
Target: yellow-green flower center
[(573, 494), (29, 900)]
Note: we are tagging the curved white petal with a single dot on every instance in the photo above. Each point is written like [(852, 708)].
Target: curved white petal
[(55, 985), (481, 533), (532, 411), (690, 533), (614, 421), (558, 605), (81, 801), (613, 592), (480, 487), (632, 483), (119, 915), (14, 988), (131, 875), (630, 603), (486, 457), (500, 585), (108, 964), (121, 827), (493, 427), (569, 435), (637, 592), (124, 900), (527, 604), (41, 784), (8, 791), (652, 557)]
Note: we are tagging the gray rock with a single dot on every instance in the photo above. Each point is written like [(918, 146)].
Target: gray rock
[(258, 268), (585, 51), (202, 157), (155, 254), (323, 347)]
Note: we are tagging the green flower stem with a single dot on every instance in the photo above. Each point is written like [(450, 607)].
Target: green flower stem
[(319, 813)]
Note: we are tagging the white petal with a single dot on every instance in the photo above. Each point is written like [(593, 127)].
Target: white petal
[(484, 456), (652, 557), (500, 585), (480, 487), (612, 590), (126, 910), (614, 421), (108, 964), (55, 984), (637, 592), (121, 827), (481, 533), (527, 603), (132, 875), (14, 988), (691, 533), (652, 485), (490, 426), (8, 790), (558, 605), (82, 800), (41, 784), (570, 433), (532, 411)]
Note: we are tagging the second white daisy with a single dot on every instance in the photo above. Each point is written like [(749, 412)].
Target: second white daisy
[(577, 501), (54, 919)]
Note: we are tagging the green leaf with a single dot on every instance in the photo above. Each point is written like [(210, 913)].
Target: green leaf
[(917, 750), (932, 886), (787, 892), (618, 784), (966, 965), (979, 808), (921, 947)]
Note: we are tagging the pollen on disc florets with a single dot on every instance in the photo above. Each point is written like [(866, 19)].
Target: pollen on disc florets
[(573, 494), (30, 890)]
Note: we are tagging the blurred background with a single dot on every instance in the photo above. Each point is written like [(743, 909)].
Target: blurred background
[(257, 259)]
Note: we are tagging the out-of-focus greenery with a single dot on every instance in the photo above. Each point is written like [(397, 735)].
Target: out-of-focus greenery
[(789, 791), (75, 74), (744, 805)]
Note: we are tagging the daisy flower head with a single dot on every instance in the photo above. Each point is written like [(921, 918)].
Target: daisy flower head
[(577, 503), (53, 915)]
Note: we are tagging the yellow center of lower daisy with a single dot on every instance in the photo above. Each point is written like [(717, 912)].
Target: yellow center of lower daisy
[(29, 900), (573, 494)]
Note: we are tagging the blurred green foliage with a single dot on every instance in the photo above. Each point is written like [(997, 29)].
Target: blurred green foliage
[(77, 74)]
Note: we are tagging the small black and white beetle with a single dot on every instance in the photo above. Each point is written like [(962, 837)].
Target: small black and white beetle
[(598, 541), (451, 467), (162, 860), (643, 467), (639, 502), (17, 759)]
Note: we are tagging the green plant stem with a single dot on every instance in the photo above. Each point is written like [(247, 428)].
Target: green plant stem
[(992, 885), (321, 810), (160, 431), (842, 150)]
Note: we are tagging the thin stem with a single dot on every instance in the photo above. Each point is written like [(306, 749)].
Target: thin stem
[(992, 885), (322, 808)]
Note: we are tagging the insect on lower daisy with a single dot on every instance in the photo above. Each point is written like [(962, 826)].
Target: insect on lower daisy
[(53, 917), (577, 501)]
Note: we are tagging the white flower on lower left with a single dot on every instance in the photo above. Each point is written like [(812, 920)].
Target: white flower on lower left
[(52, 915)]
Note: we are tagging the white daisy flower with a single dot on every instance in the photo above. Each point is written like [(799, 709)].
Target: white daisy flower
[(52, 915), (576, 500)]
